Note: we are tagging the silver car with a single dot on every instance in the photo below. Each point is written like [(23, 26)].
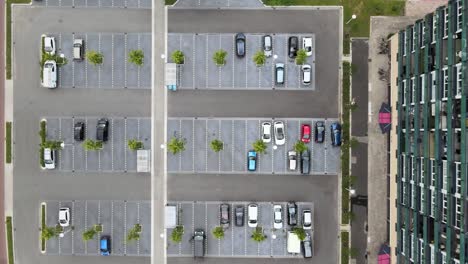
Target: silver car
[(267, 45), (266, 132), (280, 139)]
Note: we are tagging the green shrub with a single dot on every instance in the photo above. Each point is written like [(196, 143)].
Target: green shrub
[(176, 145), (345, 248), (90, 144), (9, 230), (177, 233), (134, 233), (259, 146), (219, 57), (136, 57), (218, 232), (300, 147), (217, 145), (48, 232), (300, 232), (8, 142), (134, 144), (257, 235), (259, 58), (94, 57), (89, 234), (301, 57), (178, 57), (52, 144)]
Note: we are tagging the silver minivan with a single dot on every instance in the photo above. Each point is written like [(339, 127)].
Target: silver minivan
[(49, 74), (267, 45), (78, 49), (306, 74), (279, 73)]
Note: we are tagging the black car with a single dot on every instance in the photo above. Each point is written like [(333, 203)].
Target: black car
[(102, 129), (319, 132), (292, 214), (293, 44), (224, 215), (78, 131), (239, 213), (240, 45), (305, 162)]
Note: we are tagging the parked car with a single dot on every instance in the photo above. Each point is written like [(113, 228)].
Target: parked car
[(335, 130), (307, 246), (239, 213), (279, 133), (49, 158), (266, 132), (267, 41), (252, 211), (293, 44), (292, 213), (64, 216), (306, 74), (307, 45), (78, 131), (102, 129), (277, 216), (49, 45), (252, 160), (199, 243), (305, 162), (49, 74), (319, 132), (279, 73), (224, 214), (240, 45), (105, 246), (307, 219), (292, 160), (305, 133), (78, 49)]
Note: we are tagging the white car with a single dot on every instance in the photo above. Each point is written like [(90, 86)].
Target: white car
[(49, 74), (49, 45), (252, 211), (266, 132), (307, 45), (49, 159), (277, 216), (292, 160), (306, 74), (307, 219), (64, 216), (280, 139)]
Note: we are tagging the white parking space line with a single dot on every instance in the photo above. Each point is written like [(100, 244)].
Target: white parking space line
[(99, 68), (86, 135), (125, 57), (219, 68), (125, 228), (233, 144), (138, 222), (112, 66), (219, 137), (112, 144), (246, 72), (206, 61), (193, 145), (138, 68), (194, 60), (86, 70), (86, 224), (73, 66), (286, 62), (233, 64), (73, 230), (180, 153), (125, 140), (112, 223)]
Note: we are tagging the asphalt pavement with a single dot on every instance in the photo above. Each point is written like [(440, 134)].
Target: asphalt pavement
[(359, 119), (31, 101)]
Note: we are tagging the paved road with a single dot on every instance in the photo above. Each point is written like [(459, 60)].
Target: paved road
[(323, 102), (3, 255), (319, 189), (31, 101), (360, 51)]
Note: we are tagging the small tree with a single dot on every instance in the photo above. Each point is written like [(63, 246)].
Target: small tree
[(52, 144), (176, 145), (134, 144), (300, 232), (218, 232), (177, 233), (90, 144), (259, 58), (94, 57), (219, 57), (257, 235), (300, 146), (134, 233), (89, 234), (48, 232), (301, 57), (178, 57), (136, 57), (217, 145), (259, 146)]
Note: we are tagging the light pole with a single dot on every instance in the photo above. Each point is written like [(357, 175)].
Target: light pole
[(352, 17)]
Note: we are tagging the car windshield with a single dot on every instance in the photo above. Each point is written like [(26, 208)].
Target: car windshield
[(48, 161), (277, 217), (280, 133), (63, 221)]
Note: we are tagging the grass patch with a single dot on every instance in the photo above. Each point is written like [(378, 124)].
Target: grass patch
[(8, 142), (9, 230), (363, 9), (8, 33), (170, 2), (43, 226), (345, 177), (344, 247), (42, 135)]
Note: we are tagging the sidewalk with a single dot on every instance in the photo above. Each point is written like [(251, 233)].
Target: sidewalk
[(8, 170)]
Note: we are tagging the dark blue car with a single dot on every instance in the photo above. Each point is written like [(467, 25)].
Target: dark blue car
[(335, 131), (105, 246), (252, 161)]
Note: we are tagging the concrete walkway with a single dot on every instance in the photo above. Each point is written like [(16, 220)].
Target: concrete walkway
[(218, 3)]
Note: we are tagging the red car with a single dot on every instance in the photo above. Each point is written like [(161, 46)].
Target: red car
[(305, 133)]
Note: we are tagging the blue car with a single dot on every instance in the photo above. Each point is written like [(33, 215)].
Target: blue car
[(335, 131), (252, 160), (105, 246)]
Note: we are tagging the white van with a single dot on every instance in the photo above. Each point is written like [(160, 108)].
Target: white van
[(253, 215), (49, 158), (306, 74), (49, 74)]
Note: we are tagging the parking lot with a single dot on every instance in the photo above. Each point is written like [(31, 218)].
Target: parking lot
[(115, 155), (200, 72), (94, 3), (116, 72), (116, 218), (238, 134), (236, 241)]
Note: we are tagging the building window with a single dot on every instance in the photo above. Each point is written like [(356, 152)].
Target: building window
[(433, 173), (404, 43), (422, 86), (412, 91), (412, 169), (458, 179), (431, 246), (422, 200), (422, 34), (403, 241), (422, 172), (458, 211), (433, 202), (403, 83), (444, 208), (434, 28), (413, 39), (413, 195), (443, 256), (458, 68), (412, 247), (445, 76), (421, 251), (433, 83), (403, 193), (444, 176), (446, 22), (459, 15)]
